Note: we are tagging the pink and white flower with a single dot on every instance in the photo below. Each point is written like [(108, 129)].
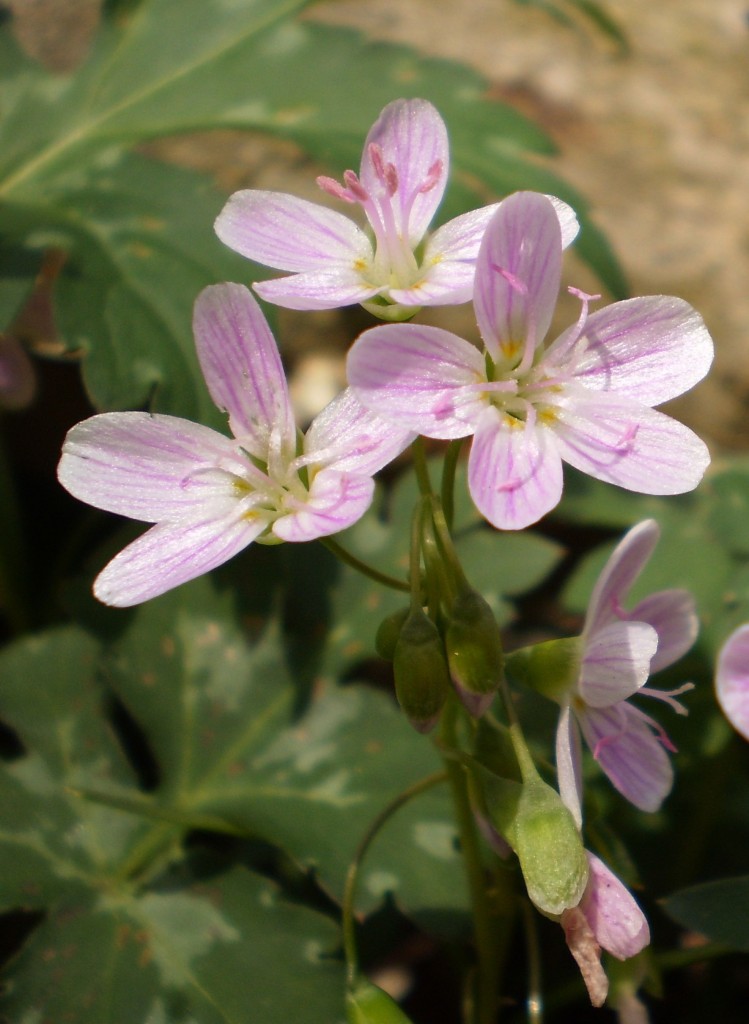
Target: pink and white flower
[(586, 398), (619, 649), (732, 679), (395, 268), (211, 495)]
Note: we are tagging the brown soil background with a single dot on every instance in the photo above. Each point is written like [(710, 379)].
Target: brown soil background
[(657, 140)]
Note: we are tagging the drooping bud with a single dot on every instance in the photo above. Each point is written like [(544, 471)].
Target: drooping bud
[(551, 854), (474, 651), (368, 1004), (421, 677), (551, 668), (388, 632)]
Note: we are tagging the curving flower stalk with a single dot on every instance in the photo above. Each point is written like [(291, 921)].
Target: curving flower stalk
[(393, 269), (211, 495), (618, 650), (586, 398)]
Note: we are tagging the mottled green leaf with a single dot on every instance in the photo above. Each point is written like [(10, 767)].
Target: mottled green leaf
[(119, 940)]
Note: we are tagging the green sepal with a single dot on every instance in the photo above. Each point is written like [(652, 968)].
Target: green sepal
[(549, 848), (368, 1004), (551, 668), (386, 638), (533, 819), (420, 669), (474, 649)]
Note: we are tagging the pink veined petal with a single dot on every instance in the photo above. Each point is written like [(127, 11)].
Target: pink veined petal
[(146, 467), (322, 289), (352, 439), (169, 554), (289, 233), (336, 500), (673, 615), (616, 662), (650, 349), (460, 238), (568, 222), (523, 240), (732, 680), (242, 367), (569, 763), (514, 471), (412, 136), (451, 252), (612, 912), (629, 753), (616, 440), (624, 565), (422, 378)]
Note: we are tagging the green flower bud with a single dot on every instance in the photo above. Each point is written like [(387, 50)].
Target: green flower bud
[(550, 668), (421, 678), (474, 651), (367, 1004), (388, 632), (545, 837)]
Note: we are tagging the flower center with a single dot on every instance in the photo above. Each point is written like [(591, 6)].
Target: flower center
[(388, 208)]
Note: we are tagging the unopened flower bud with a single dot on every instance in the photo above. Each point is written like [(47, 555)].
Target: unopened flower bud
[(420, 669), (388, 632), (368, 1004), (551, 668), (474, 651), (549, 848)]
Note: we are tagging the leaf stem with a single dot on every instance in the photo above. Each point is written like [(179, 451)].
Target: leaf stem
[(348, 921)]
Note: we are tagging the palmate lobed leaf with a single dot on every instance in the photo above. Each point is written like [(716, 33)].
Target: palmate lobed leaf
[(222, 719), (120, 943)]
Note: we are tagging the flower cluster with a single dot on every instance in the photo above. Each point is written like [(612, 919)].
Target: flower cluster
[(586, 398)]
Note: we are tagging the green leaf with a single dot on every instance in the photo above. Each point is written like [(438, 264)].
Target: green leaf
[(140, 244), (222, 719), (120, 940), (718, 910)]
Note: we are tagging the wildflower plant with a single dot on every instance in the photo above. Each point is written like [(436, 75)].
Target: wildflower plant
[(354, 695)]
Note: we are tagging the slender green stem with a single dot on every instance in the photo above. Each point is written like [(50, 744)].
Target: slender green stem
[(414, 558), (362, 567), (446, 546), (525, 760), (447, 490), (485, 1011), (420, 467), (352, 876)]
